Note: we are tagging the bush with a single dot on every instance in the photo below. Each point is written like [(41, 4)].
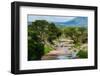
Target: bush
[(47, 49), (35, 48), (82, 54), (77, 34), (35, 51)]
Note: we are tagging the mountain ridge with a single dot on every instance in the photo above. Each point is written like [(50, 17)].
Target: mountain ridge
[(78, 21)]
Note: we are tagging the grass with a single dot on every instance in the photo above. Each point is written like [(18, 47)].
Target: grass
[(47, 49)]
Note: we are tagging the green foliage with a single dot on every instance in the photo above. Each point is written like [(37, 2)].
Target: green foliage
[(82, 54), (53, 33), (47, 49), (78, 34), (40, 34), (35, 47)]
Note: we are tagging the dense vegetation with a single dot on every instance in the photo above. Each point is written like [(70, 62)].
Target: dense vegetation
[(79, 36), (41, 35)]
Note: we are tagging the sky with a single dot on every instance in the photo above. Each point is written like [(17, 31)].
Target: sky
[(32, 18)]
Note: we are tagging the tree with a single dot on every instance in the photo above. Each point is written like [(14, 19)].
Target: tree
[(53, 33), (40, 33), (35, 46), (78, 34)]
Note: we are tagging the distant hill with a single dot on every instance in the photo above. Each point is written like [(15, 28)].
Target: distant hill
[(78, 21)]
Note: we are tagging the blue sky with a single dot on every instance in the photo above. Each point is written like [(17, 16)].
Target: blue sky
[(32, 18)]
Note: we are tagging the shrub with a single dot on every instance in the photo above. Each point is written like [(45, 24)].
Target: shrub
[(82, 54), (47, 49)]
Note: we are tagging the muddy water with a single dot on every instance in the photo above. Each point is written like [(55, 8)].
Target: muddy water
[(63, 53), (66, 55)]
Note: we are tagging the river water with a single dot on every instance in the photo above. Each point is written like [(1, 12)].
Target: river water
[(64, 53)]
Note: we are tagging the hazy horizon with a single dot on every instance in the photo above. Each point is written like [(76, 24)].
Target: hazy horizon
[(61, 20)]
